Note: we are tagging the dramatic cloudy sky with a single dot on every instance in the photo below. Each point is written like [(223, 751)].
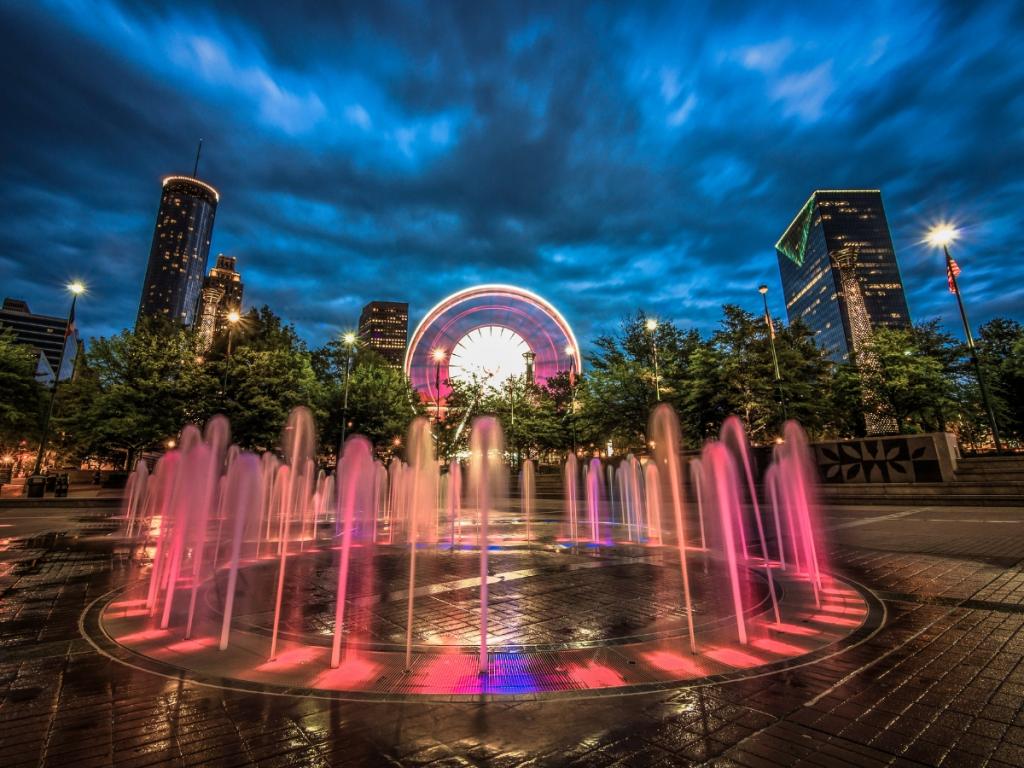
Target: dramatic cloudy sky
[(608, 159)]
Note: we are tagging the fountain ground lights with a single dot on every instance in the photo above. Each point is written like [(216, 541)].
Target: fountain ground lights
[(404, 580)]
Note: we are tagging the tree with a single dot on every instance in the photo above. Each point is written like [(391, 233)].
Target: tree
[(619, 390), (733, 373), (1001, 352), (23, 397), (381, 400), (134, 391), (915, 376), (269, 373)]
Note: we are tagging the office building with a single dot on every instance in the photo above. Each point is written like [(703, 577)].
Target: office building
[(384, 328), (221, 294), (46, 335), (180, 249), (841, 235)]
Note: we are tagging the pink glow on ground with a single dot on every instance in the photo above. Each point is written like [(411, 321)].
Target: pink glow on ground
[(352, 673), (777, 646), (448, 673), (852, 610), (734, 657), (129, 603), (192, 646), (675, 663), (144, 636), (840, 592), (824, 618), (129, 613), (292, 658), (795, 629), (593, 675)]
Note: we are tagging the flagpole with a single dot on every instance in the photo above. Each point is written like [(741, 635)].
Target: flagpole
[(75, 288), (763, 289), (955, 286)]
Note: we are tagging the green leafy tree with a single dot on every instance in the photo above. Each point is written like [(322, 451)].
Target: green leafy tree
[(135, 390), (622, 382), (1000, 346), (269, 373), (22, 401), (381, 400), (734, 373), (915, 376)]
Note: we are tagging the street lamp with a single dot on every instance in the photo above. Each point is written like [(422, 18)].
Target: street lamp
[(652, 328), (77, 288), (941, 236), (572, 389), (438, 356), (763, 290), (232, 317), (349, 340)]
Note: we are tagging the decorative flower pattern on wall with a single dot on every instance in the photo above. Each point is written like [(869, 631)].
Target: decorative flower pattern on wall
[(879, 460)]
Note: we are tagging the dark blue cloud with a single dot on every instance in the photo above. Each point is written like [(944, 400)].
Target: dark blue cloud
[(608, 160)]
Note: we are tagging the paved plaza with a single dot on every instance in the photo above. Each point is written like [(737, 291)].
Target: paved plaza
[(939, 679)]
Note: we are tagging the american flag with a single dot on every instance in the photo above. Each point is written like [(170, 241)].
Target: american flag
[(952, 272), (71, 329)]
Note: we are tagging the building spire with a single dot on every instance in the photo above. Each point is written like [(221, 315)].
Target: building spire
[(195, 168)]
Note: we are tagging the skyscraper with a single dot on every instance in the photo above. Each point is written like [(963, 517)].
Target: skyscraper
[(838, 240), (181, 246), (221, 294), (46, 335), (384, 328)]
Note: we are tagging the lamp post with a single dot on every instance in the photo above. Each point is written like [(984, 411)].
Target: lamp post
[(232, 317), (572, 389), (940, 237), (349, 340), (763, 290), (652, 328), (438, 356), (77, 288)]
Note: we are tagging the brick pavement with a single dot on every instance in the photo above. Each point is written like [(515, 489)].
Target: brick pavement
[(941, 684)]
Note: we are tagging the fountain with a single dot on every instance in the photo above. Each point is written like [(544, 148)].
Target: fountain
[(362, 579)]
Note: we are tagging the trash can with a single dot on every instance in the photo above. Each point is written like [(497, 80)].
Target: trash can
[(60, 490), (51, 482), (34, 486)]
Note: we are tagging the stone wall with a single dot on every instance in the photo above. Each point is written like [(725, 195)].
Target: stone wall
[(928, 458)]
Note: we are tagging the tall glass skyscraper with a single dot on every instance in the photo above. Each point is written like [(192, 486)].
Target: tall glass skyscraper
[(384, 328), (841, 238), (181, 247)]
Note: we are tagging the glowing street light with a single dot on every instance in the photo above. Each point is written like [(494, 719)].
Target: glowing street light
[(940, 236), (438, 355), (233, 317), (76, 288), (571, 352), (349, 339), (652, 328)]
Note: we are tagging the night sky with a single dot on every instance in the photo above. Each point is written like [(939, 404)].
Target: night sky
[(609, 160)]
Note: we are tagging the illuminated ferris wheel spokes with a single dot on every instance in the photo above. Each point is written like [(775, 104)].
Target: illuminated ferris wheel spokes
[(492, 353)]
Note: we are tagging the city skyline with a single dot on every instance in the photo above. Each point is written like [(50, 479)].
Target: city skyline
[(635, 180)]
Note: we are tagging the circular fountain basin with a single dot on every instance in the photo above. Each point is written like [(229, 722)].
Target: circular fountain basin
[(562, 621)]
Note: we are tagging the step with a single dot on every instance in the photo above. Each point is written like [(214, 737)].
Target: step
[(993, 462), (923, 489), (987, 475), (974, 500)]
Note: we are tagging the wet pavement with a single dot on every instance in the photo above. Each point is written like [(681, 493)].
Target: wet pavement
[(942, 682)]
